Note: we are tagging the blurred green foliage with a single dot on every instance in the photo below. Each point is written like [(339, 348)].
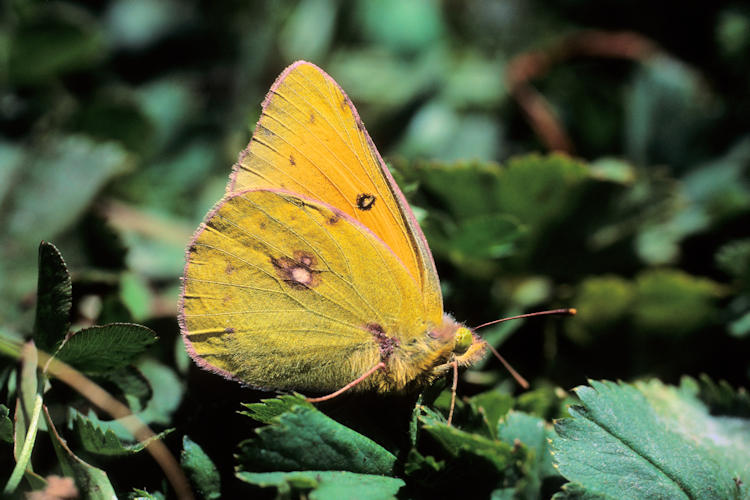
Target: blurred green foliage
[(120, 120)]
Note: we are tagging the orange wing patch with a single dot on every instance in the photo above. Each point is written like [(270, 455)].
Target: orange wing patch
[(310, 140)]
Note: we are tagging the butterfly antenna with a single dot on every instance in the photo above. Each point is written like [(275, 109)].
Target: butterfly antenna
[(348, 386), (453, 390), (521, 381), (566, 311)]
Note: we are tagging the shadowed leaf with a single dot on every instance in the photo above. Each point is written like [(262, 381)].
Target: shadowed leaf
[(327, 485), (106, 348), (305, 439), (54, 297), (201, 469)]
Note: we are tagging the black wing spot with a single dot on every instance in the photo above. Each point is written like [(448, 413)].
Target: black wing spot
[(291, 161), (365, 201)]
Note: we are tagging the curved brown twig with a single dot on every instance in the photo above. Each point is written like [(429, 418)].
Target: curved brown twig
[(527, 66)]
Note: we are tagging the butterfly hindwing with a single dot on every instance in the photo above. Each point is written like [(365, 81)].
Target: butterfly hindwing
[(285, 292), (311, 141)]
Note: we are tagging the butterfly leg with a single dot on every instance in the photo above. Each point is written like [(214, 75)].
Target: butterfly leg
[(348, 386), (454, 363)]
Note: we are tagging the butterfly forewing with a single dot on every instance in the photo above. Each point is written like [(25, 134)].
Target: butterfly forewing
[(310, 140)]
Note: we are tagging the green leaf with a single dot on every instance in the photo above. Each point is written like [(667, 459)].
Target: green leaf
[(133, 384), (480, 237), (721, 439), (666, 108), (82, 167), (99, 441), (305, 439), (57, 39), (309, 30), (139, 494), (401, 26), (100, 349), (521, 429), (6, 426), (201, 469), (492, 405), (326, 485), (54, 298), (574, 491), (460, 444), (602, 301), (720, 397), (620, 444), (268, 409), (136, 295), (734, 258), (93, 482), (416, 463), (167, 394), (672, 302)]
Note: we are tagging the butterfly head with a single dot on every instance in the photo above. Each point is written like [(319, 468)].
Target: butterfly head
[(462, 340)]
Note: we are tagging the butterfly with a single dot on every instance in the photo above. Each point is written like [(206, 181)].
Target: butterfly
[(312, 273)]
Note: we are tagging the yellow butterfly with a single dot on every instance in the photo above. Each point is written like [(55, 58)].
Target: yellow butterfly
[(312, 273)]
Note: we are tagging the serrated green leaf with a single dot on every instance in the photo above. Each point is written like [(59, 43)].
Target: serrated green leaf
[(720, 398), (457, 443), (6, 426), (721, 439), (620, 445), (305, 439), (101, 441), (54, 298), (268, 409), (327, 485), (201, 469), (91, 481), (100, 349)]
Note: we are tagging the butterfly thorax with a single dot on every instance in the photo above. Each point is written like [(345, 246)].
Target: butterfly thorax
[(416, 362)]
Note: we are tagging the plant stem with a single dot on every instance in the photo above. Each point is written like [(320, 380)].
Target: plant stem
[(25, 456)]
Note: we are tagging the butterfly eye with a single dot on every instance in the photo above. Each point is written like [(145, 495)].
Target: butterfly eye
[(464, 339)]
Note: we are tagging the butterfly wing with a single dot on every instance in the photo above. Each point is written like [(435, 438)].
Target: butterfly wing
[(283, 292), (310, 140)]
